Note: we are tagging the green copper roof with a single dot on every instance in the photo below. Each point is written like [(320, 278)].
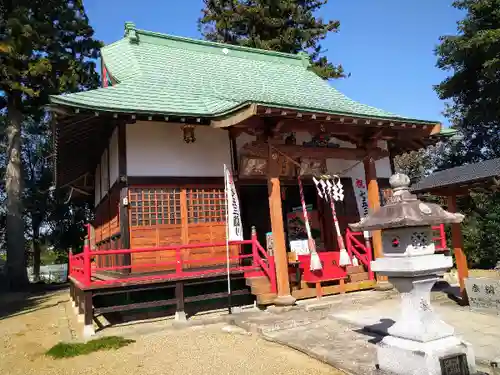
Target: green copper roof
[(167, 75)]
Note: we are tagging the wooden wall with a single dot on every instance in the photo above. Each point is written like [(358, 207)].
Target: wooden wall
[(106, 223), (167, 215)]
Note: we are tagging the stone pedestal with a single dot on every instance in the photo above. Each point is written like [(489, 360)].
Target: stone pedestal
[(420, 343), (437, 357)]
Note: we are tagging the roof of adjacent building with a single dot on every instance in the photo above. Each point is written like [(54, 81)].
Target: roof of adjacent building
[(161, 74), (464, 175)]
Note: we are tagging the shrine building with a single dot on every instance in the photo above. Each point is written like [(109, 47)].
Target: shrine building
[(149, 149)]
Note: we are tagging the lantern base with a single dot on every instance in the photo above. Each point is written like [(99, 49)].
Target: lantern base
[(448, 355)]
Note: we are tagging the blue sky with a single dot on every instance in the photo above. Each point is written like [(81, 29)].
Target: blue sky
[(386, 45)]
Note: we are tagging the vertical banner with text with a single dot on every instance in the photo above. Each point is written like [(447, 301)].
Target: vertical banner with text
[(235, 229)]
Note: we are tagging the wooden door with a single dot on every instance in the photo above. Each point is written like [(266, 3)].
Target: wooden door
[(167, 216), (206, 224), (155, 220)]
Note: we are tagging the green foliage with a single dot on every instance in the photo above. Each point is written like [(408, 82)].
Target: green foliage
[(473, 87), (280, 25), (46, 47), (64, 350), (480, 229)]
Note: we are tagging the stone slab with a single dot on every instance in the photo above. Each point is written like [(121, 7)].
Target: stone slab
[(484, 294), (481, 330)]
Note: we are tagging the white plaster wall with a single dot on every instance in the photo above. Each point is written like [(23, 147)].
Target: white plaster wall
[(104, 173), (158, 149), (113, 157), (97, 190)]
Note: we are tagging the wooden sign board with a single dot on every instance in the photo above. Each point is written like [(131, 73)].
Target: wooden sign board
[(484, 294), (254, 166)]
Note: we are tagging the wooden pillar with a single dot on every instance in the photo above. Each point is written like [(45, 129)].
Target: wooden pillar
[(457, 243), (180, 315), (374, 205), (276, 213), (123, 207), (88, 314)]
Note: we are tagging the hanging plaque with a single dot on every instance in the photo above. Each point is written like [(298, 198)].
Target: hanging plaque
[(253, 166), (312, 167)]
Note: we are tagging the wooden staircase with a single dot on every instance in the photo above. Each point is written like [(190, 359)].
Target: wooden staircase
[(261, 288), (357, 273)]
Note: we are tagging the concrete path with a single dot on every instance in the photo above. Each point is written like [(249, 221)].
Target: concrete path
[(481, 330), (342, 330)]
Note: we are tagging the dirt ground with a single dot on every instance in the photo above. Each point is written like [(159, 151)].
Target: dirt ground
[(30, 326)]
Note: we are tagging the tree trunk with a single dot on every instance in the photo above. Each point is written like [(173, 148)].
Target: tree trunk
[(36, 253), (16, 255)]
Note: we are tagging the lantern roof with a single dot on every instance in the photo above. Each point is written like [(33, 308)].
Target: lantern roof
[(405, 210)]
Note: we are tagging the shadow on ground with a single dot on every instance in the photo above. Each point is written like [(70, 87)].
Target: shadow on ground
[(31, 299), (194, 309)]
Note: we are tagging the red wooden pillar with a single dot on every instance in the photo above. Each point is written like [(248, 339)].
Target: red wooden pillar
[(276, 213), (374, 205), (457, 243)]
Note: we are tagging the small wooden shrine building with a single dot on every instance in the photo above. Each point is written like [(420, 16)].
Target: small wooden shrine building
[(455, 182), (149, 146)]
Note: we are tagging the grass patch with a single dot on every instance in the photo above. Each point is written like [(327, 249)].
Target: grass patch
[(64, 350)]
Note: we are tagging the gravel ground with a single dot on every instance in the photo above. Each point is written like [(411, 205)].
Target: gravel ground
[(207, 350)]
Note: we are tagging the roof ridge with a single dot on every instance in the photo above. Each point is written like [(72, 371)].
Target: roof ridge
[(132, 32)]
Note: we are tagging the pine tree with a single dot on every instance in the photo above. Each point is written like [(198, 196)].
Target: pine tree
[(280, 25), (45, 48), (473, 87)]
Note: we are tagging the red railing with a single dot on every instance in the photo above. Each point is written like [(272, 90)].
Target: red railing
[(440, 239), (82, 269), (265, 262), (361, 249)]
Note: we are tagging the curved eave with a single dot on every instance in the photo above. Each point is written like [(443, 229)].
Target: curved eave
[(263, 107)]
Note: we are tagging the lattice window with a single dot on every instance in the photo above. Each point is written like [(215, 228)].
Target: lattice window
[(155, 206), (206, 205), (419, 239)]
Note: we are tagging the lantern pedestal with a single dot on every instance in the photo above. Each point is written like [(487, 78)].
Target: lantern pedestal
[(420, 342)]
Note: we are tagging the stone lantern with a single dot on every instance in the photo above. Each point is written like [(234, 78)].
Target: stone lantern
[(419, 342)]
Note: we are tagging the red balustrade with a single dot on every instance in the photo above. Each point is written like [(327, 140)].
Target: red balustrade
[(81, 269), (357, 245)]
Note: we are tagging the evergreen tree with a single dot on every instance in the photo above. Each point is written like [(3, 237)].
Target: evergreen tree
[(280, 25), (473, 58), (45, 47)]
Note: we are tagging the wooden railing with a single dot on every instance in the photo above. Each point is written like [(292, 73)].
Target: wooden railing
[(83, 270), (440, 237), (359, 248), (264, 261)]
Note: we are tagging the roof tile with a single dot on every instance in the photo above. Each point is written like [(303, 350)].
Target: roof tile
[(180, 76)]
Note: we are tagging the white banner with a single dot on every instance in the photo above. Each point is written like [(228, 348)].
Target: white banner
[(361, 193), (235, 229)]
